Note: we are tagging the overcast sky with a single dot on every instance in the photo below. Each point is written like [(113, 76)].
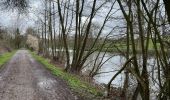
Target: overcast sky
[(8, 18)]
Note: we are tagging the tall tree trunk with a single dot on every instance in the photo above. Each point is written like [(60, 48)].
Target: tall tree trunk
[(167, 8), (50, 30), (64, 36), (145, 90), (54, 31)]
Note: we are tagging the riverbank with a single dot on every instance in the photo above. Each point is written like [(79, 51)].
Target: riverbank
[(85, 90)]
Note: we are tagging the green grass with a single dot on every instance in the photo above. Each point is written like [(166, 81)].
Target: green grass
[(122, 46), (6, 57), (73, 81)]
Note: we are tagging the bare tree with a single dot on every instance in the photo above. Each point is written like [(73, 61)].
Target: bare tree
[(20, 5)]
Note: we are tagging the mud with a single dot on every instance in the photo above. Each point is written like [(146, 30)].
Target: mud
[(23, 78)]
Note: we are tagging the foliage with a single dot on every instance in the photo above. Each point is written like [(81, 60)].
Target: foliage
[(17, 38), (20, 5), (32, 42)]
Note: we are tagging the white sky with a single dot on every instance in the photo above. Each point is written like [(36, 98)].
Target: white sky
[(9, 18)]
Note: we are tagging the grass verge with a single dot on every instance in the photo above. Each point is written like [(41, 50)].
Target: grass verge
[(6, 57), (84, 89)]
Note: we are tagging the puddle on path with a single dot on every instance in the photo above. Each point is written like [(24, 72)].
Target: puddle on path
[(46, 83)]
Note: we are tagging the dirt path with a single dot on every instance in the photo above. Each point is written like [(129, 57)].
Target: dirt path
[(22, 78)]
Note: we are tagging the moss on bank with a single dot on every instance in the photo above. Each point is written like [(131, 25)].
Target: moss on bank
[(6, 57), (82, 88)]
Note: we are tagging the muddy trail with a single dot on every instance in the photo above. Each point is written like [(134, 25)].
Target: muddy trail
[(23, 78)]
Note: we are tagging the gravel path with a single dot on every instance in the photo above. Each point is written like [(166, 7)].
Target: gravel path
[(22, 78)]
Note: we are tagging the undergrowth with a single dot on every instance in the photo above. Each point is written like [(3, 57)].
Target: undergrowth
[(81, 87)]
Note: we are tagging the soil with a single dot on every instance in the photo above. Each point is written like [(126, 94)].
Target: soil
[(23, 78)]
